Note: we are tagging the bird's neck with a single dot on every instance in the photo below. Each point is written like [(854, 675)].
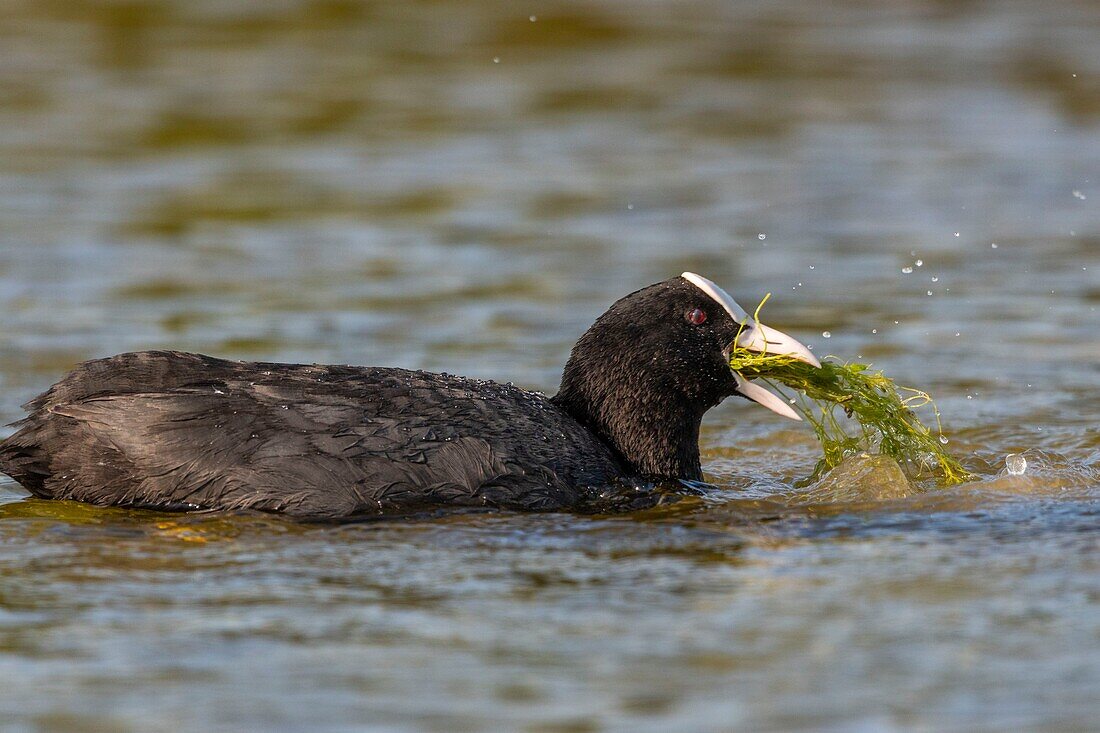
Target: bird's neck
[(654, 431)]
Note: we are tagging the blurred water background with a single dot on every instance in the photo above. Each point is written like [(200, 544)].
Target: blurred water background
[(464, 186)]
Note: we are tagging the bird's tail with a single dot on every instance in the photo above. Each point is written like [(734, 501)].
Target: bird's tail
[(22, 458)]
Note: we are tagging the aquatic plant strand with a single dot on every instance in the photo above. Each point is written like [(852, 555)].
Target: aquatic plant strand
[(839, 397)]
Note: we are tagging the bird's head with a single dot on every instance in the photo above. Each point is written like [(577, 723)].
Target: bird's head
[(645, 372)]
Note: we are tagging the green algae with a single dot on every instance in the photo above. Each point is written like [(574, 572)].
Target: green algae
[(853, 408)]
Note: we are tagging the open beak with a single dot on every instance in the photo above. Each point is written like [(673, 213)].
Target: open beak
[(759, 338)]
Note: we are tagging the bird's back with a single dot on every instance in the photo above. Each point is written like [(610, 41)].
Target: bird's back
[(173, 430)]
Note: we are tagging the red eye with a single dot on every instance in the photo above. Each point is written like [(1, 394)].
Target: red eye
[(697, 317)]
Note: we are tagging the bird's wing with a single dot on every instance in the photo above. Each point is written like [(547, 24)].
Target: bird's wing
[(238, 450)]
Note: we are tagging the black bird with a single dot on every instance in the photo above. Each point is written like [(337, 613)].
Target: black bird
[(174, 431)]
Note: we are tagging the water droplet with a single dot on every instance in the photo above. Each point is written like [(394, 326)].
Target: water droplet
[(874, 330), (1078, 195), (993, 245), (944, 440), (533, 18), (935, 279), (630, 207), (1016, 464), (958, 234), (907, 269), (811, 267), (970, 397), (826, 334), (496, 59), (929, 292), (761, 236), (919, 263)]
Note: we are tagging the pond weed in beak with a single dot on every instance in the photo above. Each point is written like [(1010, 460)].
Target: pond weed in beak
[(852, 409)]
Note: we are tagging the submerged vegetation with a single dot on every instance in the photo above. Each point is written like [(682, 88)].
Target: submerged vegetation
[(852, 408)]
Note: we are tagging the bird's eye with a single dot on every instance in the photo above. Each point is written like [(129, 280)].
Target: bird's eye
[(696, 317)]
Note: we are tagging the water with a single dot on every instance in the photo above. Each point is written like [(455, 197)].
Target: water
[(360, 183)]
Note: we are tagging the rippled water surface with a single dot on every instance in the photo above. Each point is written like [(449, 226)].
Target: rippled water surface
[(464, 186)]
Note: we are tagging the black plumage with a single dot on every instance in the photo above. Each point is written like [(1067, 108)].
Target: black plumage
[(178, 431)]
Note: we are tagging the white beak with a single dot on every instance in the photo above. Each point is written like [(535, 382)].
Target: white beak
[(759, 338)]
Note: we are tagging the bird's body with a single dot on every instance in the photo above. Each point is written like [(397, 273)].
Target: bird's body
[(177, 431), (183, 431)]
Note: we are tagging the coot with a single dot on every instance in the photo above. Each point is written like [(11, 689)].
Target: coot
[(175, 431)]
